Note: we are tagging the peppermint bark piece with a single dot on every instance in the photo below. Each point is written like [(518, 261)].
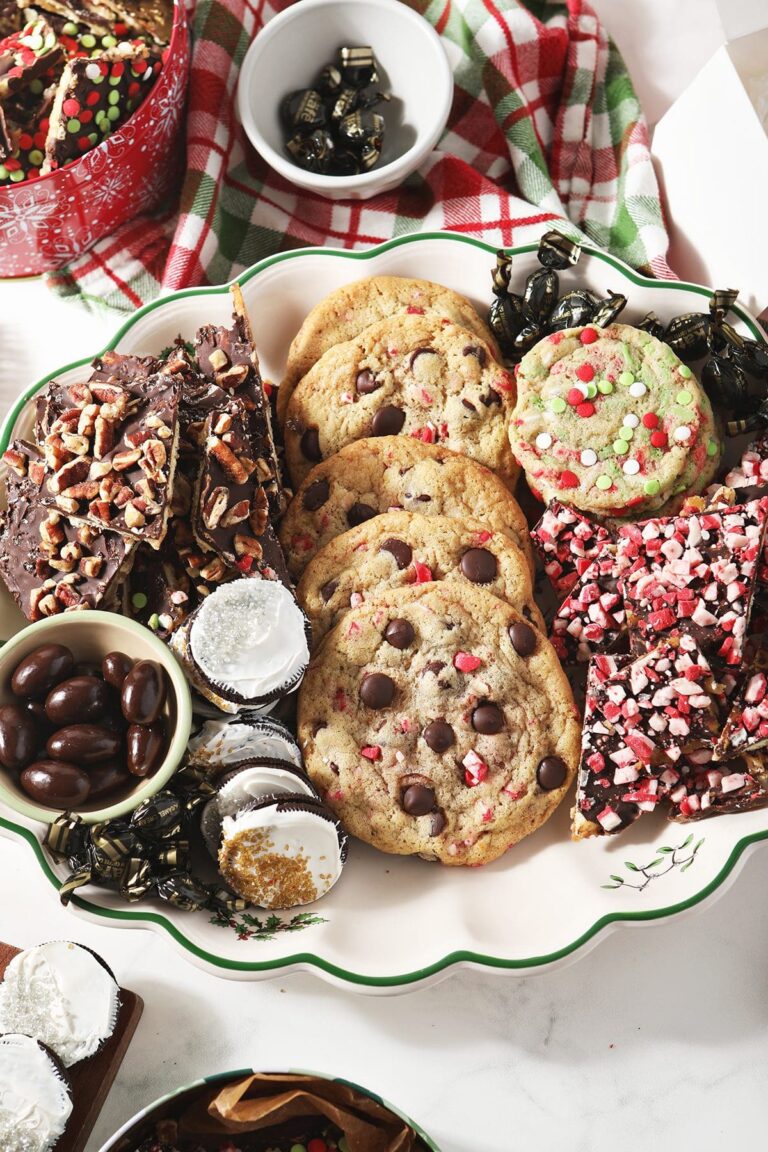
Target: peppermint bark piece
[(110, 454), (567, 542), (714, 789), (227, 358), (50, 565), (95, 96), (641, 717), (27, 55), (693, 575), (231, 509), (591, 619), (746, 728)]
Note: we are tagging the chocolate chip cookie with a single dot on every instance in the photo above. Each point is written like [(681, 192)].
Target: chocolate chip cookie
[(610, 421), (402, 549), (390, 473), (436, 721), (344, 314), (414, 376)]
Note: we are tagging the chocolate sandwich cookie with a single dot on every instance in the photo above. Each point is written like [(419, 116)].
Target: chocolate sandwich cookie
[(35, 1095), (410, 376), (399, 549), (220, 744), (282, 852), (245, 646), (50, 565), (247, 782), (392, 473), (64, 996), (437, 721), (345, 313), (610, 421), (109, 454)]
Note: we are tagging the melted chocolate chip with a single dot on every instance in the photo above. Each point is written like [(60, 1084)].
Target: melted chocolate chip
[(479, 565), (434, 666), (310, 445), (359, 513), (377, 690), (490, 398), (316, 495), (523, 639), (399, 633), (424, 499), (402, 552), (418, 800), (388, 421), (334, 768), (437, 823), (328, 590), (488, 719), (468, 404), (421, 352), (366, 382), (473, 350), (551, 773), (439, 736)]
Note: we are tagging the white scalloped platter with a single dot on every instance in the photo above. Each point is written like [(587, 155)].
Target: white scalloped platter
[(391, 923)]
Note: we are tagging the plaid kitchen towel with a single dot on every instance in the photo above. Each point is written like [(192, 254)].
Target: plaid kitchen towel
[(545, 126)]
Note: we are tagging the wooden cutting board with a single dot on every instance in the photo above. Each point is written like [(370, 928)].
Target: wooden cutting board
[(92, 1079)]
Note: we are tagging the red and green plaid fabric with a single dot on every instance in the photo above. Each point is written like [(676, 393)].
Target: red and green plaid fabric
[(545, 126)]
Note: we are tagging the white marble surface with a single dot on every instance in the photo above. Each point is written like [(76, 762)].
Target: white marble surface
[(657, 1039)]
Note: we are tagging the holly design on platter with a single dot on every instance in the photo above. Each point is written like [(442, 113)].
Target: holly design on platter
[(248, 927), (666, 859)]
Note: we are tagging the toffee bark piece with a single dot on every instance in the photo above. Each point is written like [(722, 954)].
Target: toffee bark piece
[(592, 618), (95, 96), (50, 565), (641, 716), (567, 542), (227, 358), (231, 509), (109, 454), (693, 575), (713, 789), (27, 55)]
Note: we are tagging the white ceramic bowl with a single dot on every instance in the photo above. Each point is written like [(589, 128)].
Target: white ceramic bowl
[(91, 635), (292, 48)]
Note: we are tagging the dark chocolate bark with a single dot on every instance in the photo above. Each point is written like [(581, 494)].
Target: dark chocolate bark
[(50, 565), (27, 55)]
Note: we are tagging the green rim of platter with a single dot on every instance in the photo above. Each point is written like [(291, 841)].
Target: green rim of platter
[(308, 959)]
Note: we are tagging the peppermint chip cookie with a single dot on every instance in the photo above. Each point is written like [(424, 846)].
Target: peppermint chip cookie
[(436, 721), (414, 376), (610, 421), (344, 314), (390, 473), (400, 549)]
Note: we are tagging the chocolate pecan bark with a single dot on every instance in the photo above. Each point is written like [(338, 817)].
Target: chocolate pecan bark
[(231, 511), (227, 358), (51, 565), (109, 454)]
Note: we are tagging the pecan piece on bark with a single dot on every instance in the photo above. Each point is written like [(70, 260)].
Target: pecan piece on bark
[(214, 507), (15, 461), (103, 436), (236, 514), (259, 517), (134, 518), (122, 461), (72, 473), (247, 546), (233, 468)]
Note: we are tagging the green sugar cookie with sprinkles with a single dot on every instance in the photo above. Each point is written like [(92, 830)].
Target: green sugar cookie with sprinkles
[(608, 420), (95, 97)]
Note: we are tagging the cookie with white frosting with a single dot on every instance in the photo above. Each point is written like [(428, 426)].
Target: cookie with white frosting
[(223, 744), (62, 995), (247, 783), (245, 646), (35, 1097), (282, 852)]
